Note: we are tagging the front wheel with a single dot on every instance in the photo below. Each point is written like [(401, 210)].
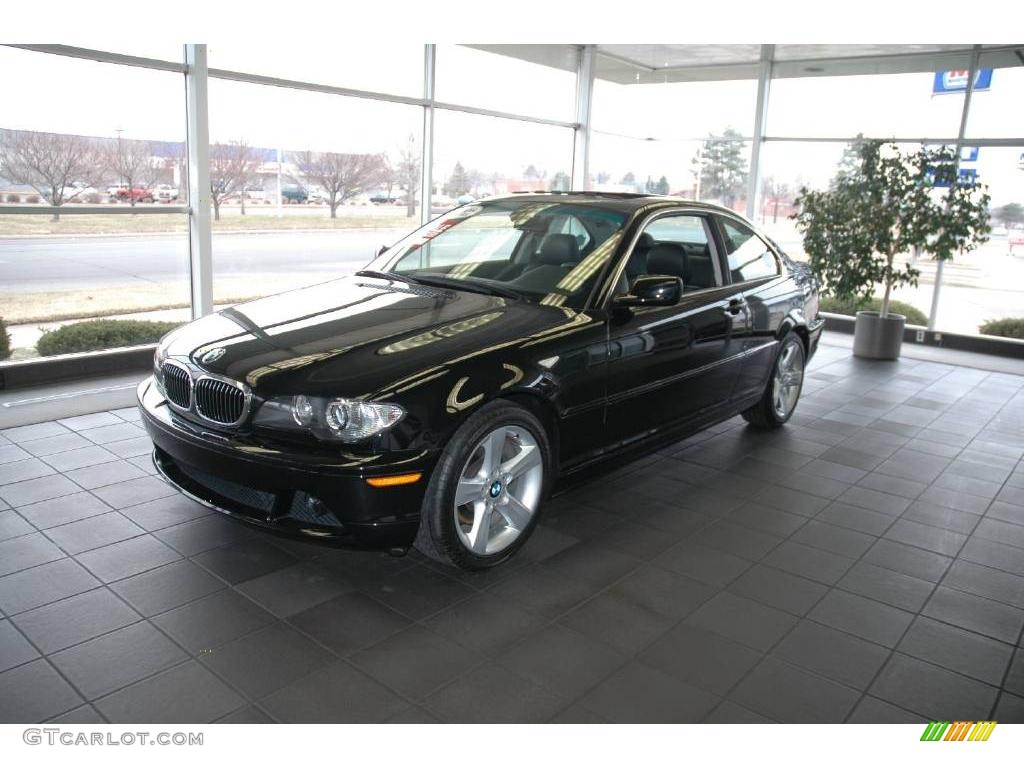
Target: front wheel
[(482, 501), (782, 392)]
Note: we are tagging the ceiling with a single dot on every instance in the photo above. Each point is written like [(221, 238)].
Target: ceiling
[(659, 63)]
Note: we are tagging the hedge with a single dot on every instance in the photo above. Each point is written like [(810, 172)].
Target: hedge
[(101, 334), (5, 341), (1010, 327), (851, 307)]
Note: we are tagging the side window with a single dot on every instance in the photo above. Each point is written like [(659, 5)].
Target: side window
[(678, 246), (749, 256)]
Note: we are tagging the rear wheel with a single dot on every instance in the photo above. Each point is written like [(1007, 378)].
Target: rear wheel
[(482, 501), (782, 392)]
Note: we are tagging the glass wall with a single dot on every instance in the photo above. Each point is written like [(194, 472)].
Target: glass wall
[(81, 135), (307, 186)]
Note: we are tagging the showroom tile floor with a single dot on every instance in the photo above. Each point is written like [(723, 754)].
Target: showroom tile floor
[(864, 564)]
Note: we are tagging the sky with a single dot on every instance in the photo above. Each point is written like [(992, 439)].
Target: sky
[(649, 130)]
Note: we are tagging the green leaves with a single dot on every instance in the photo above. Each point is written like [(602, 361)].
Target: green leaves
[(880, 207)]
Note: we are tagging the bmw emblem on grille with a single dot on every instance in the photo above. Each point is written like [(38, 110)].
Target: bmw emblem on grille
[(212, 355)]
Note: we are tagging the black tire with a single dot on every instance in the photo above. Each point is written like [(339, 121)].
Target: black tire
[(437, 537), (764, 414)]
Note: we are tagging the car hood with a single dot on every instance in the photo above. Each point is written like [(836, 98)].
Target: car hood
[(357, 336)]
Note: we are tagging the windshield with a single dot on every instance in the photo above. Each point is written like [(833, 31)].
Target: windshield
[(544, 252)]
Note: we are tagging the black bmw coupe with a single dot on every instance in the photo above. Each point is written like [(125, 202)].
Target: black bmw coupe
[(435, 397)]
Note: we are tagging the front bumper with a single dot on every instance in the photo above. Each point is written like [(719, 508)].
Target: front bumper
[(318, 492)]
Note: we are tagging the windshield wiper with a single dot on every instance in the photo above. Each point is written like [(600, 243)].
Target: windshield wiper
[(475, 284), (386, 276)]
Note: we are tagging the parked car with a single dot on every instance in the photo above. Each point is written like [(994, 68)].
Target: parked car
[(133, 194), (382, 198), (438, 396), (293, 193), (165, 193)]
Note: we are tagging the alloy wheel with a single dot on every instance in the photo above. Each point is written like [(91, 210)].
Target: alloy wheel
[(498, 490), (789, 377)]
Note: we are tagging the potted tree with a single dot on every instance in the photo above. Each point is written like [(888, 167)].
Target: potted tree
[(881, 206)]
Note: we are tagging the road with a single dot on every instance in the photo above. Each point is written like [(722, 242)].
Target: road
[(29, 265)]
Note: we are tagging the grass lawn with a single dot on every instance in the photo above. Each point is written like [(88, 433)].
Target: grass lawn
[(231, 221)]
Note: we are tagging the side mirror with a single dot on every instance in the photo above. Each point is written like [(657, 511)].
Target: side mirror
[(652, 291), (381, 250)]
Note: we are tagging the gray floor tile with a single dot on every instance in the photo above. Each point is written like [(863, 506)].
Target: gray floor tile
[(831, 653), (919, 563), (353, 621), (245, 559), (792, 501), (63, 510), (132, 492), (108, 473), (188, 693), (729, 712), (415, 661), (337, 693), (83, 715), (1015, 676), (25, 552), (93, 532), (34, 692), (112, 433), (48, 446), (127, 558), (785, 591), (213, 621), (14, 648), (959, 650), (639, 694), (737, 540), (1009, 709), (809, 562), (266, 660), (985, 582), (43, 584), (664, 592), (921, 687), (290, 590), (856, 518), (788, 694), (875, 711), (701, 658), (33, 431), (76, 619), (618, 622), (491, 694), (25, 469), (537, 588), (40, 489), (978, 614), (203, 534), (13, 525), (867, 619), (90, 420), (710, 566), (165, 512), (80, 457), (877, 501), (1003, 532), (887, 586), (167, 587), (742, 620), (833, 538), (108, 662)]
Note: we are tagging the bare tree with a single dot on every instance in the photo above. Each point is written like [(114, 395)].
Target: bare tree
[(132, 163), (408, 169), (58, 166), (231, 167), (341, 175)]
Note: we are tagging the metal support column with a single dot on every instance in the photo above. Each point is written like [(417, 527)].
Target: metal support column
[(427, 162), (581, 136), (197, 140), (972, 73), (764, 81)]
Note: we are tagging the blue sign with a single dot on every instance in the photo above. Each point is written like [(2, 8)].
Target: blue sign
[(955, 81), (941, 176), (968, 154)]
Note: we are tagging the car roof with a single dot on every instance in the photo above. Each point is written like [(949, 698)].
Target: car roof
[(625, 202)]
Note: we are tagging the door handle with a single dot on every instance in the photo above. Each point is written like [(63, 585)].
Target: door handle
[(735, 305)]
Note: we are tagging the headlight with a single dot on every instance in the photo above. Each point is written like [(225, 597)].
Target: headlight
[(159, 356), (328, 419)]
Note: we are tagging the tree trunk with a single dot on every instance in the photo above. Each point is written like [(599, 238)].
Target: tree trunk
[(410, 208), (216, 209), (334, 208), (775, 212), (888, 286), (56, 213), (242, 200)]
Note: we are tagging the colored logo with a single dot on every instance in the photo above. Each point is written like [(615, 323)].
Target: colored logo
[(959, 731)]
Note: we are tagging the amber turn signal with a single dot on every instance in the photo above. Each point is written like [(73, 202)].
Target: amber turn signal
[(390, 480)]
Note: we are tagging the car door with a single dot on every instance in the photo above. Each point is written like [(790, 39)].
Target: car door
[(756, 272), (667, 365)]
